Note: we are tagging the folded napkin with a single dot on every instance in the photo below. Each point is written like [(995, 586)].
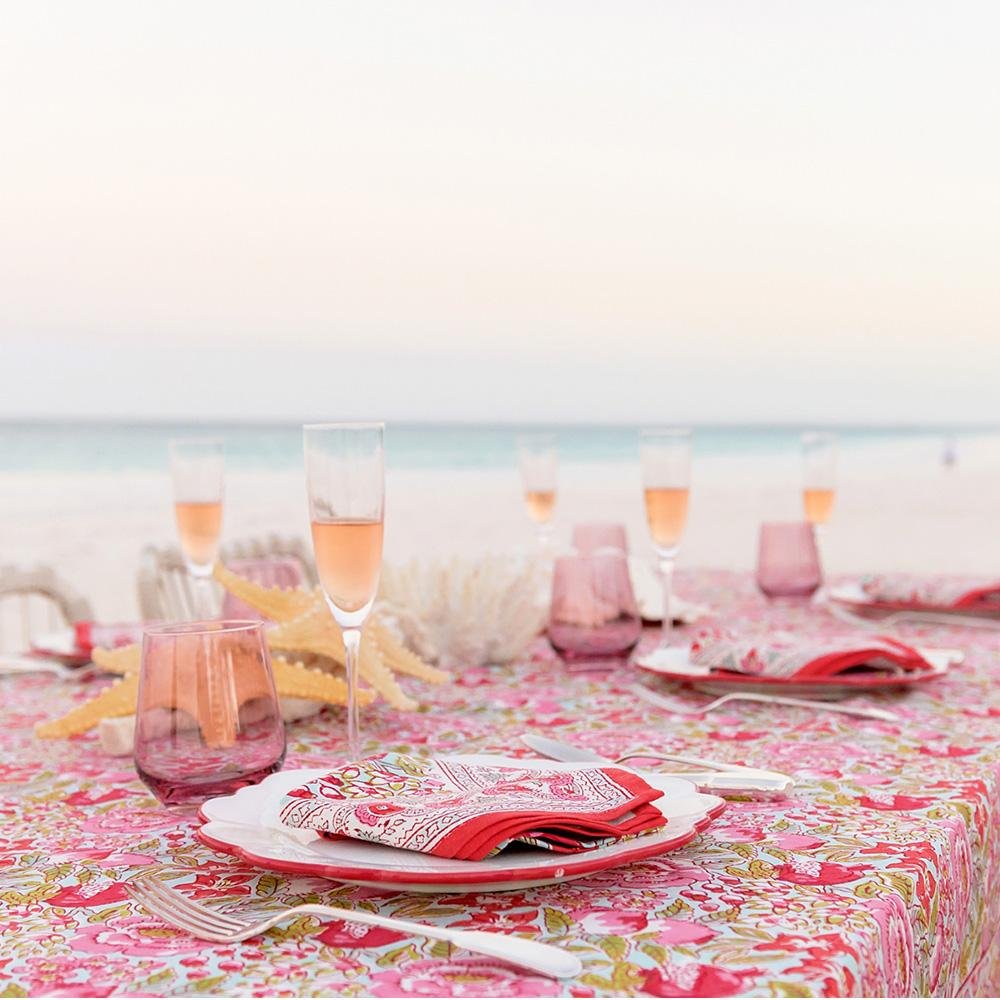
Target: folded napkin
[(781, 654), (935, 592), (472, 811)]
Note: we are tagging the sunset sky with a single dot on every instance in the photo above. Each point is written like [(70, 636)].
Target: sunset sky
[(501, 211)]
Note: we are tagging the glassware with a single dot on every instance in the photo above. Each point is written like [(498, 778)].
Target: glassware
[(197, 468), (788, 560), (208, 719), (593, 614), (819, 476), (346, 485), (538, 457), (666, 477)]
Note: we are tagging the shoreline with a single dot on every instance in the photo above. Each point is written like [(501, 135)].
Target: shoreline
[(896, 509)]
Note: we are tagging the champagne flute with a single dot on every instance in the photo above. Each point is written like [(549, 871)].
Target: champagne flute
[(819, 479), (197, 467), (666, 478), (346, 485), (539, 461)]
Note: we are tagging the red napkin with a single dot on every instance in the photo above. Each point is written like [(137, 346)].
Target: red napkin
[(91, 634), (472, 811), (935, 592), (781, 654)]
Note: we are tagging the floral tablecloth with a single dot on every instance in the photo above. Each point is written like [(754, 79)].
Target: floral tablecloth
[(881, 875)]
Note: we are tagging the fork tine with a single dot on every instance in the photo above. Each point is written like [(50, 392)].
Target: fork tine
[(176, 909), (176, 899), (152, 905), (173, 918)]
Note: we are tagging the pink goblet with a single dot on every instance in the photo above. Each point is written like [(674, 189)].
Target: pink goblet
[(208, 720), (788, 560), (593, 614)]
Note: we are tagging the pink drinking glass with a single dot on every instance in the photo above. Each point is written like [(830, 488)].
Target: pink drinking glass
[(598, 536), (788, 560), (593, 614), (208, 720)]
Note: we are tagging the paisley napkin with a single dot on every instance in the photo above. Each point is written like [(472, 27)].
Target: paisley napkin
[(472, 811), (782, 654), (934, 592)]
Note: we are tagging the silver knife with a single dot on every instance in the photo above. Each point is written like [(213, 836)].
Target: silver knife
[(721, 778)]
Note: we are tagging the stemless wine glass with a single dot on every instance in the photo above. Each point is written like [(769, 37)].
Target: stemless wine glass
[(197, 466), (207, 719), (593, 615), (788, 560), (819, 476), (666, 478), (539, 461), (346, 484)]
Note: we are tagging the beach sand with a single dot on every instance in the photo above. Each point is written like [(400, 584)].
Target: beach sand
[(897, 508)]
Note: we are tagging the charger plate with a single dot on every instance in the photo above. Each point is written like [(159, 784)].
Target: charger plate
[(245, 825), (675, 664)]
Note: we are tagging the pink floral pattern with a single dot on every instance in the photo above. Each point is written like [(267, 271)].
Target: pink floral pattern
[(877, 877)]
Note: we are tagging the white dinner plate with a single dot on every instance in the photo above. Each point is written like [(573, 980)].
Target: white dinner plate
[(245, 824), (60, 646), (675, 664), (853, 595)]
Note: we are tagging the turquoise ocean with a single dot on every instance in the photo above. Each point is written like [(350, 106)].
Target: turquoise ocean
[(113, 447)]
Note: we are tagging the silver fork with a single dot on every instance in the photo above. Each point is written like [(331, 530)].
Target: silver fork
[(640, 691), (210, 924)]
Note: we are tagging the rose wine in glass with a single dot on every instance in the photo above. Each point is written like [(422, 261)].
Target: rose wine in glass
[(666, 475), (346, 487), (819, 476), (538, 458), (197, 467)]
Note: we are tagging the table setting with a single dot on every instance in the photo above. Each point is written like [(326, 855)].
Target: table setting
[(350, 791)]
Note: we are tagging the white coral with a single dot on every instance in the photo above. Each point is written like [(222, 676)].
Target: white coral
[(465, 611)]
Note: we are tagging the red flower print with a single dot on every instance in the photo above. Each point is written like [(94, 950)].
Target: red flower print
[(890, 802), (807, 871), (347, 934), (72, 896), (693, 979)]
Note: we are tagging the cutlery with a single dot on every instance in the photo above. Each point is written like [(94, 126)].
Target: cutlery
[(719, 777), (840, 611), (679, 708), (37, 665), (211, 924)]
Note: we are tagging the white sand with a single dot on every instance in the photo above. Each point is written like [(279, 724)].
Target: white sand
[(897, 509)]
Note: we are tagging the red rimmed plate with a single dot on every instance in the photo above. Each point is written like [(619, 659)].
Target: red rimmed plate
[(675, 665), (245, 825), (61, 646), (854, 598)]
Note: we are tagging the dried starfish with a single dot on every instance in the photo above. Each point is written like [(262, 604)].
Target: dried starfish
[(306, 629)]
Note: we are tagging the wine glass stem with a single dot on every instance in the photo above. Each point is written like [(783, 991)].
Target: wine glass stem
[(667, 575), (352, 645)]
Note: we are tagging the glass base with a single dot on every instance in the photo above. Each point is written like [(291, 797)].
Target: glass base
[(178, 792)]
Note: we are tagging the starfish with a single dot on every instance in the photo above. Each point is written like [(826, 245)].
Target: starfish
[(305, 631)]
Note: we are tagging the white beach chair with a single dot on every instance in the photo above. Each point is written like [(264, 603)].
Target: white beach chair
[(33, 602), (167, 591)]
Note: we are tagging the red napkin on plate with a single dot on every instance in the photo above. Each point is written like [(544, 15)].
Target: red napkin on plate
[(781, 654), (974, 594), (472, 811), (91, 634)]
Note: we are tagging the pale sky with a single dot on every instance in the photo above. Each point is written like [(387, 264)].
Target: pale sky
[(501, 211)]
